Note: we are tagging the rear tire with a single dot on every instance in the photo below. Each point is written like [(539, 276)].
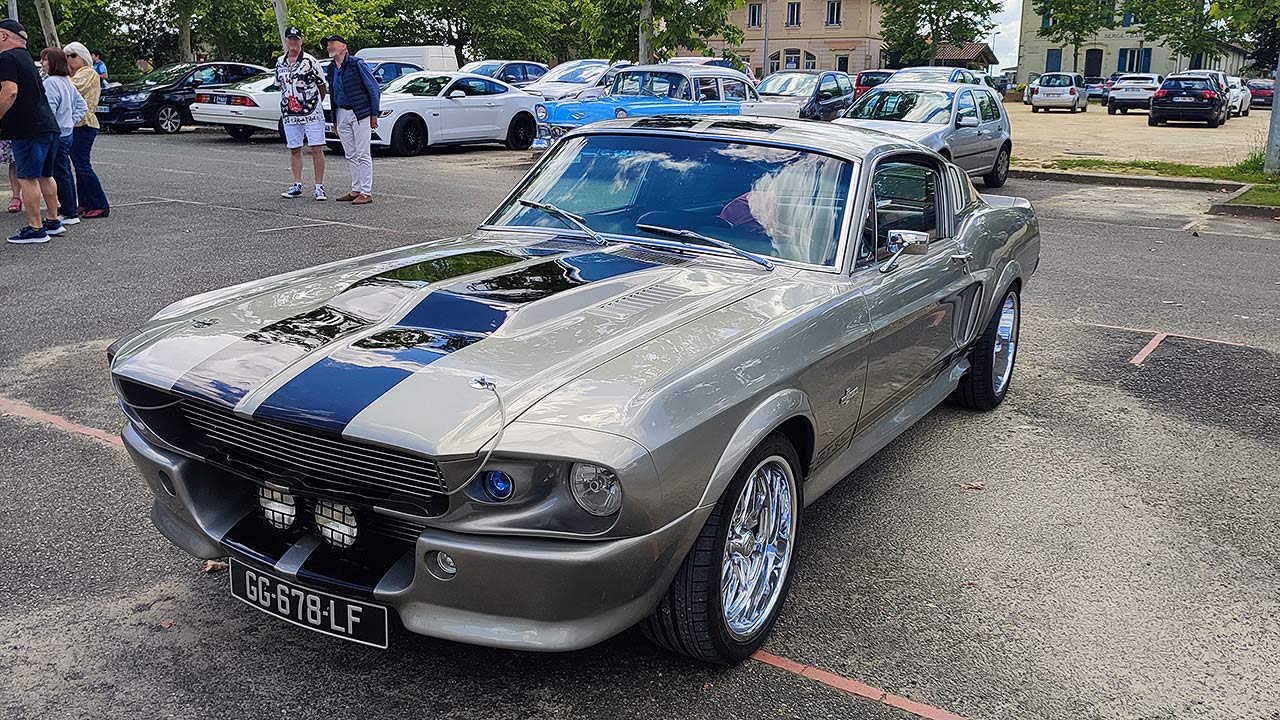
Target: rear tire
[(1035, 109), (1152, 120), (1111, 109), (239, 132), (994, 356), (1000, 171), (521, 133), (1214, 122), (691, 618)]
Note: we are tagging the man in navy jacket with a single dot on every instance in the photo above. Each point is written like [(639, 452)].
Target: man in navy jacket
[(355, 96)]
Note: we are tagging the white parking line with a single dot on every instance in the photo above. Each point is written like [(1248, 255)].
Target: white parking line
[(299, 227), (140, 202)]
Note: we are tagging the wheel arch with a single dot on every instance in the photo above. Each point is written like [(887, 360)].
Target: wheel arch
[(788, 411)]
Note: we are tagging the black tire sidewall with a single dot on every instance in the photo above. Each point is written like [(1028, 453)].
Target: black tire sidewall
[(726, 644), (397, 137), (511, 132)]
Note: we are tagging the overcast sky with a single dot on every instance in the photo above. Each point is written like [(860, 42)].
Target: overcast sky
[(1008, 22)]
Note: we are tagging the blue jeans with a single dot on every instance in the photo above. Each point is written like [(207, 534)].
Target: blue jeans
[(62, 174), (88, 187)]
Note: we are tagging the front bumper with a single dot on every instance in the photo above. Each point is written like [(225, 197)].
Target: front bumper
[(511, 592), (123, 115), (549, 135)]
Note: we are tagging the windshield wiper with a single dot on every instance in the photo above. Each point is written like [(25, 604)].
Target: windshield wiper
[(574, 220), (673, 232)]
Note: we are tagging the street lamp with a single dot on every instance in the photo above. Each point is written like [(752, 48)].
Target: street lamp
[(994, 33)]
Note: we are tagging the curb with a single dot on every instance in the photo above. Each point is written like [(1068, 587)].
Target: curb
[(1225, 207), (1127, 180)]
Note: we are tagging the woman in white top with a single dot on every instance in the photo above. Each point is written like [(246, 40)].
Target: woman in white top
[(68, 108)]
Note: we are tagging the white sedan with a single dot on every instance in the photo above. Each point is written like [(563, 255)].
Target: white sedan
[(442, 108), (242, 107)]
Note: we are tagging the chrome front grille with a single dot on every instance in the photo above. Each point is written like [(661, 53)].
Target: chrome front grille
[(314, 462)]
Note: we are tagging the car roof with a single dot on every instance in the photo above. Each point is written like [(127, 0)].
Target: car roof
[(849, 142), (914, 85), (689, 69)]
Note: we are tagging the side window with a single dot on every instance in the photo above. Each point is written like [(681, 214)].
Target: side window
[(1079, 81), (493, 88), (239, 72), (210, 75), (734, 89), (629, 84), (846, 87), (533, 72), (905, 196), (472, 86), (383, 74), (708, 89), (828, 88), (965, 106), (987, 107)]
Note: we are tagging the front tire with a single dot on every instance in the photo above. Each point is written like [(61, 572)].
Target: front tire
[(409, 136), (716, 610), (521, 133), (168, 119), (985, 385), (239, 132)]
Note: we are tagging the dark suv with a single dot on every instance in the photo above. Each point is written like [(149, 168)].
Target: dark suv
[(1188, 97), (162, 98), (821, 95)]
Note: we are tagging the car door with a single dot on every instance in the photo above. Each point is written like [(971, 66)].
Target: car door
[(919, 304), (966, 143), (991, 127), (828, 97), (475, 115), (846, 93)]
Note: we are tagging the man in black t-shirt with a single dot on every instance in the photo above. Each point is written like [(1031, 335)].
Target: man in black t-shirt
[(27, 121)]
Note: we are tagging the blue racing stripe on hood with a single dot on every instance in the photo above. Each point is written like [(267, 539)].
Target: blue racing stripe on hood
[(329, 394)]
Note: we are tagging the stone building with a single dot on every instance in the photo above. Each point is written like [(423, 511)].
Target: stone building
[(808, 34)]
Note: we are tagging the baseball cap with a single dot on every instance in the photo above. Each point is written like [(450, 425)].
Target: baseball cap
[(334, 38), (78, 49), (13, 26), (293, 33)]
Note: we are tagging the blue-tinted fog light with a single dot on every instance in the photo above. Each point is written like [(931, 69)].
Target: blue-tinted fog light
[(498, 485)]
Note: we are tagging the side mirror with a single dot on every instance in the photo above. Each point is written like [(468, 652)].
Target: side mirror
[(967, 122), (197, 82), (825, 95), (509, 78), (911, 242), (456, 94)]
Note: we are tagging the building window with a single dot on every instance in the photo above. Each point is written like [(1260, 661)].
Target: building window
[(842, 63), (793, 14), (755, 12), (833, 12), (1047, 19), (810, 61), (1053, 60), (1134, 60), (1127, 20), (774, 63), (792, 60)]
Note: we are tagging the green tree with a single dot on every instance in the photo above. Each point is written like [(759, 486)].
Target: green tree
[(507, 29), (1074, 22), (944, 22), (677, 24), (904, 46), (1187, 27), (1263, 39)]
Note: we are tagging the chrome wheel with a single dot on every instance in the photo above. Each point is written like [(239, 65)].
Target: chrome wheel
[(1006, 345), (757, 553), (168, 118)]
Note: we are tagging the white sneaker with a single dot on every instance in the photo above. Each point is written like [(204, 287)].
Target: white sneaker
[(70, 220), (320, 193)]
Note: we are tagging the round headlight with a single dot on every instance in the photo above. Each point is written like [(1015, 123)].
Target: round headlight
[(336, 523), (619, 113), (595, 488), (541, 112), (279, 508)]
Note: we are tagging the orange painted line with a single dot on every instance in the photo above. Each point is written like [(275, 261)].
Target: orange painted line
[(1177, 335), (854, 687), (19, 409), (1150, 347)]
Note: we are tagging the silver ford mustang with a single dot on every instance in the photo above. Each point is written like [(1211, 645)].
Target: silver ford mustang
[(605, 407)]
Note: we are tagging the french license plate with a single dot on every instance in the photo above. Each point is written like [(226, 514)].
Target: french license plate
[(352, 620), (104, 108), (1184, 99)]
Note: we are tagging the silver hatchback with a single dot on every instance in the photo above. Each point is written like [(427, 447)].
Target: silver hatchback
[(1062, 90), (966, 124)]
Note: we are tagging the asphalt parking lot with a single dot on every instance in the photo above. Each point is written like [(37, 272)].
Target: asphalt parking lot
[(1121, 559)]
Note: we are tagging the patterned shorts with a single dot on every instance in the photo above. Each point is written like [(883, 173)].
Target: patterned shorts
[(6, 151)]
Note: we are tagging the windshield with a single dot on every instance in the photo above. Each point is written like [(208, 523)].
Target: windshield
[(482, 68), (253, 82), (1056, 81), (791, 84), (775, 202), (1186, 83), (915, 106), (167, 74), (657, 84), (927, 74), (418, 84), (579, 73), (871, 79), (1136, 80)]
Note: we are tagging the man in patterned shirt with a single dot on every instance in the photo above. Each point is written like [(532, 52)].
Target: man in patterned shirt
[(302, 88)]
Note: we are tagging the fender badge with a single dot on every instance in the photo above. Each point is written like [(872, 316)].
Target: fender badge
[(204, 322), (849, 395)]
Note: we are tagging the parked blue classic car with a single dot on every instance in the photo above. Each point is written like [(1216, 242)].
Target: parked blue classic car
[(660, 90)]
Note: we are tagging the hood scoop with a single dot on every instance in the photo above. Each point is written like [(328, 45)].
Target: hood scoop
[(637, 302)]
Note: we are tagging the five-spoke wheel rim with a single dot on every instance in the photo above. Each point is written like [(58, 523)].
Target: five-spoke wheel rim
[(757, 552), (1006, 345), (169, 120)]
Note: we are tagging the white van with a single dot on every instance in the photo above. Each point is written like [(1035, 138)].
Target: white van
[(429, 57)]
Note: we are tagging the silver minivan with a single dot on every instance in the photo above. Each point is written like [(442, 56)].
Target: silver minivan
[(966, 124), (1060, 90)]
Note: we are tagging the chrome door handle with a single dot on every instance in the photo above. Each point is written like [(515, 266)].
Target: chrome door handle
[(962, 257)]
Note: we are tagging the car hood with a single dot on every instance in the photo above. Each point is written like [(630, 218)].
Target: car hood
[(918, 132), (131, 88), (385, 348), (555, 90)]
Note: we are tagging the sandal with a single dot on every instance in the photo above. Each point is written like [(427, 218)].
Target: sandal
[(16, 205)]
